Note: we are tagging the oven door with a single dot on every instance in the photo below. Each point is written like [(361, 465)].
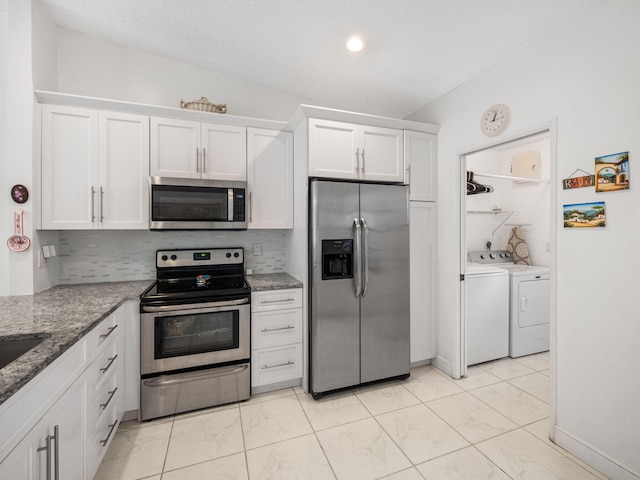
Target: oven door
[(176, 337)]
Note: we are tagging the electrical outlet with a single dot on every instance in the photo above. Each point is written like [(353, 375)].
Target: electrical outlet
[(257, 249), (42, 261)]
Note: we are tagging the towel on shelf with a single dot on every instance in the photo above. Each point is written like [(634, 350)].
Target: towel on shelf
[(518, 247)]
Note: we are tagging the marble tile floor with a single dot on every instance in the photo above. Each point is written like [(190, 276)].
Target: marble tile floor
[(491, 425)]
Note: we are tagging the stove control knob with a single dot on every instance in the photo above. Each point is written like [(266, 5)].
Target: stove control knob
[(164, 258), (174, 257), (228, 254), (507, 255), (236, 254), (492, 255), (482, 256), (502, 255)]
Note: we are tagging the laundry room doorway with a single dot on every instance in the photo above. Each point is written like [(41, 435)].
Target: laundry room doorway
[(507, 213)]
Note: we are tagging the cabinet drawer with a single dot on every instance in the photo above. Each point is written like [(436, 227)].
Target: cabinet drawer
[(108, 392), (99, 438), (108, 361), (275, 328), (107, 330), (273, 365), (276, 299)]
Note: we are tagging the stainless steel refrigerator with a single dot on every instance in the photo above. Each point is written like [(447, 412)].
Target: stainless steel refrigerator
[(359, 283)]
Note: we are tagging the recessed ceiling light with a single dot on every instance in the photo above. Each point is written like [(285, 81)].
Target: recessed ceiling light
[(355, 44)]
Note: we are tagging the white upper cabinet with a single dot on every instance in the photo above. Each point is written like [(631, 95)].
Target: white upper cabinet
[(270, 178), (355, 152), (420, 164), (94, 169), (187, 149)]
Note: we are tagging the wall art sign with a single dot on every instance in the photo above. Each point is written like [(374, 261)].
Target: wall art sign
[(612, 172), (578, 182), (580, 215)]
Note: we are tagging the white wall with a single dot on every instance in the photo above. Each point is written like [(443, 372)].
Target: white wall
[(5, 223), (95, 68), (586, 75)]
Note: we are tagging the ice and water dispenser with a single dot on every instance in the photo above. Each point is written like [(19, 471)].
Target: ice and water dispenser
[(337, 259)]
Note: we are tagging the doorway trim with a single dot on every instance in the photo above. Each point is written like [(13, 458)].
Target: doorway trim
[(459, 364)]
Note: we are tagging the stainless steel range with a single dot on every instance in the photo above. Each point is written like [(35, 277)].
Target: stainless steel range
[(195, 332)]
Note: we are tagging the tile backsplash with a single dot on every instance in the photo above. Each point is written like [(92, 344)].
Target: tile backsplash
[(110, 256)]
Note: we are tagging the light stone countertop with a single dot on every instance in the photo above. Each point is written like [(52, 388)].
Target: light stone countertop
[(63, 314), (272, 281)]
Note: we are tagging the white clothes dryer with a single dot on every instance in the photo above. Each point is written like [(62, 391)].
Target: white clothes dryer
[(529, 309)]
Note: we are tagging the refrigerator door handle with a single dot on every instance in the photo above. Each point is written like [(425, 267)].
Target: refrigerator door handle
[(358, 255), (365, 254)]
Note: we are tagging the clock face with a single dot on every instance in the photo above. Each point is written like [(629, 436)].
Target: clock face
[(495, 120)]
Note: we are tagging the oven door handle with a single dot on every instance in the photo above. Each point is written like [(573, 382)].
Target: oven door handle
[(166, 380), (192, 306)]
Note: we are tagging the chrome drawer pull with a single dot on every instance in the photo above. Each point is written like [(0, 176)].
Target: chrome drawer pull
[(111, 394), (111, 428), (111, 360), (278, 301), (56, 454), (265, 330), (109, 332), (285, 364)]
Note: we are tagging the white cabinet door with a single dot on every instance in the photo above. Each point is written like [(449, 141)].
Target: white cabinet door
[(175, 148), (270, 178), (355, 152), (61, 430), (333, 149), (69, 167), (224, 152), (124, 171), (420, 165), (381, 157), (422, 278)]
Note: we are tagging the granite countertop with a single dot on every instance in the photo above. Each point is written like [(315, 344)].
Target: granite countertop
[(272, 281), (62, 314)]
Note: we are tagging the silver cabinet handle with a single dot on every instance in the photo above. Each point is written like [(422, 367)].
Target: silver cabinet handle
[(278, 301), (362, 157), (111, 360), (93, 202), (109, 332), (204, 160), (358, 255), (409, 177), (197, 160), (266, 330), (357, 159), (56, 454), (101, 203), (111, 428), (285, 364), (365, 251), (111, 394)]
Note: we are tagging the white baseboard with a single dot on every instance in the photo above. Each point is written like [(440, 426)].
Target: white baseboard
[(610, 466), (443, 364)]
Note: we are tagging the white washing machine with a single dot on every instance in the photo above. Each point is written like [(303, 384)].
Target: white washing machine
[(487, 306), (529, 309)]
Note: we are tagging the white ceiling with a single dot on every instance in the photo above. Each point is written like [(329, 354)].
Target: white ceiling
[(417, 50)]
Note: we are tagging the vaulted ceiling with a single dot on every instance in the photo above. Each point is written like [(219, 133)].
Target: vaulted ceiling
[(416, 50)]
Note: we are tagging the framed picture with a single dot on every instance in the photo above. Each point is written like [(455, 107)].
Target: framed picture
[(612, 172), (581, 215)]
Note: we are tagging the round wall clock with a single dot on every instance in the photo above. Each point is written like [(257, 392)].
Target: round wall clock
[(495, 120)]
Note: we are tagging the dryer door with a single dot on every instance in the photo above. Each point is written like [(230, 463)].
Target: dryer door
[(533, 302)]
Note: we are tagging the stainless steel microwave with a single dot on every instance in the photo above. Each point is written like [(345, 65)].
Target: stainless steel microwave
[(196, 204)]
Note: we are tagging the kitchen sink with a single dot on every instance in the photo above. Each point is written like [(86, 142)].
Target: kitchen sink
[(10, 349)]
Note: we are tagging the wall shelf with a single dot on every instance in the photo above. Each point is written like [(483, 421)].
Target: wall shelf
[(508, 214), (509, 177)]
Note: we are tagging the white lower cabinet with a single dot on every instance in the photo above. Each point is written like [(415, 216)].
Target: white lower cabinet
[(276, 339), (59, 425), (422, 280)]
